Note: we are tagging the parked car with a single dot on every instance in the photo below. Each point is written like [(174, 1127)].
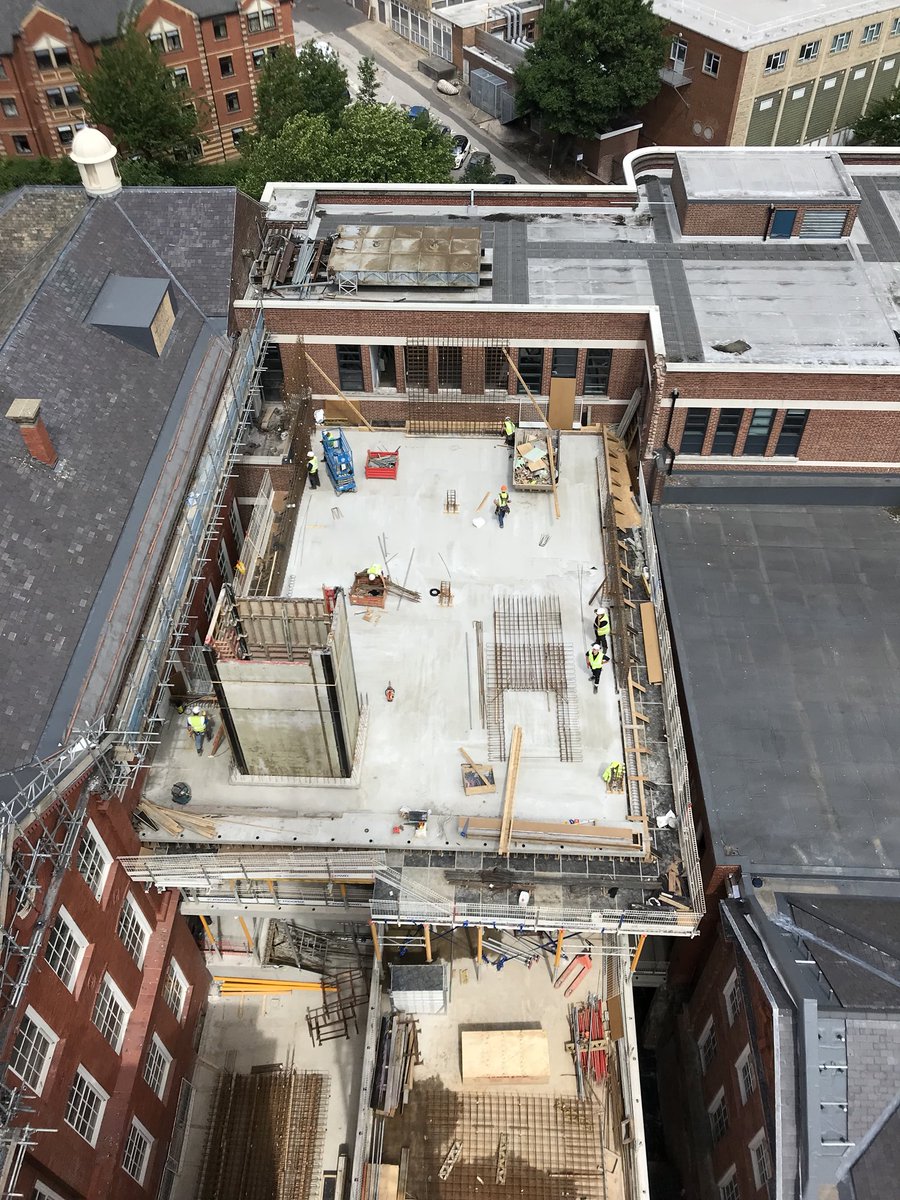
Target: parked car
[(479, 158), (505, 179), (417, 110), (324, 48), (462, 148)]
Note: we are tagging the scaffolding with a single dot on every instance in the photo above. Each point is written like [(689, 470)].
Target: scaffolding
[(440, 374)]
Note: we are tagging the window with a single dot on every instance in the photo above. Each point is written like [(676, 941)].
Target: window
[(224, 563), (53, 58), (137, 1151), (226, 66), (9, 107), (111, 1013), (232, 102), (758, 432), (180, 77), (55, 98), (21, 143), (734, 998), (209, 602), (695, 423), (93, 860), (156, 1068), (840, 41), (42, 1192), (597, 366), (166, 40), (87, 1102), (175, 989), (234, 520), (711, 63), (73, 94), (564, 363), (32, 1051), (776, 61), (450, 367), (66, 134), (728, 1186), (678, 51), (746, 1076), (2, 71), (65, 948), (496, 369), (760, 1159), (727, 430), (895, 26), (870, 33), (258, 21), (531, 368), (236, 134), (133, 930), (708, 1045), (809, 51), (416, 359), (259, 56), (791, 432), (220, 28), (350, 371), (718, 1117)]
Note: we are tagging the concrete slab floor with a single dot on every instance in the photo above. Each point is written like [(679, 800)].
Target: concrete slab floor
[(258, 1031), (427, 652)]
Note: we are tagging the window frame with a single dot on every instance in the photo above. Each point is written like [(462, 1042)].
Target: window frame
[(812, 49), (841, 42), (90, 830), (11, 101), (708, 1037), (351, 376), (732, 989), (146, 1138), (73, 102), (725, 434), (711, 63), (74, 934), (226, 58), (686, 432), (223, 562), (55, 91), (219, 23), (450, 368), (530, 365), (496, 370), (103, 1096), (776, 61), (109, 986), (130, 905), (264, 18), (174, 972), (762, 1171), (895, 27), (232, 102), (787, 444), (564, 362), (871, 33), (158, 1045), (678, 57), (745, 1071), (717, 1112), (727, 1186), (596, 371), (60, 57), (49, 1036), (237, 530), (180, 77), (43, 1191), (750, 446), (21, 144)]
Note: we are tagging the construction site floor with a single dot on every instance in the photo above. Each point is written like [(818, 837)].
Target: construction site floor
[(426, 652)]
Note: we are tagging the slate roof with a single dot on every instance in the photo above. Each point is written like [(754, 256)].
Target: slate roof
[(72, 542), (856, 946), (876, 1169), (95, 20), (787, 634)]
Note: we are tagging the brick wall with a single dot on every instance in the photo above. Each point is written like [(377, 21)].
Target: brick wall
[(703, 112), (721, 219)]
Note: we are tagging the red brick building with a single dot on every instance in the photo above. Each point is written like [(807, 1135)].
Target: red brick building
[(213, 48)]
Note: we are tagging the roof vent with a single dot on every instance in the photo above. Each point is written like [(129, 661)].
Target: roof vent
[(95, 156), (27, 415), (140, 312)]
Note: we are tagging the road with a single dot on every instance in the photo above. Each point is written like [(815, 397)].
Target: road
[(352, 36)]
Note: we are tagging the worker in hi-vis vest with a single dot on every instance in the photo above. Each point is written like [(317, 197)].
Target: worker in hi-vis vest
[(601, 627), (509, 432), (375, 571), (614, 772), (596, 661), (312, 469), (197, 723), (501, 505)]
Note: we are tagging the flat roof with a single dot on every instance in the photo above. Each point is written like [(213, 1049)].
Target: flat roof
[(479, 12), (798, 302), (786, 623), (400, 253), (748, 23), (767, 175)]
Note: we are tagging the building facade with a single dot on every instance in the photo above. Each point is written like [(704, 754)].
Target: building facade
[(735, 78), (214, 50)]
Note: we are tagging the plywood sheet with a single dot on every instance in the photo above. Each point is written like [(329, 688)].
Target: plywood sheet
[(388, 1181), (505, 1056), (651, 642)]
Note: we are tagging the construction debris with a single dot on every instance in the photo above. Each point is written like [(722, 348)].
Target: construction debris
[(589, 1045), (175, 820), (397, 1056), (536, 453)]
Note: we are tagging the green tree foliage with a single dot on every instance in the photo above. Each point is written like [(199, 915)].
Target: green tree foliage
[(881, 124), (373, 143), (479, 172), (18, 172), (131, 93), (367, 71), (307, 81), (594, 60)]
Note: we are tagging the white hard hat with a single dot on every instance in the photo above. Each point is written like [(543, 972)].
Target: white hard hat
[(596, 646), (196, 708), (310, 454), (601, 612)]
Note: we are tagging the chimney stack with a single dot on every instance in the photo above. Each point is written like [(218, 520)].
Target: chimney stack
[(27, 415)]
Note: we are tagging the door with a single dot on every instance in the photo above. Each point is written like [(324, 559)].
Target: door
[(782, 222), (384, 368)]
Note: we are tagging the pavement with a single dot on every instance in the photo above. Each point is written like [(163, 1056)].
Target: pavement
[(354, 37)]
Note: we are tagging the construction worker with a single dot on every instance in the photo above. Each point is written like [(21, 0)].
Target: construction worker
[(509, 432), (501, 505), (312, 469), (614, 773), (375, 572), (198, 723), (596, 661), (601, 627)]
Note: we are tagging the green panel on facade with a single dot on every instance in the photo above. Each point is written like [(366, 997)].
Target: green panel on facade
[(858, 80), (828, 91), (793, 114), (764, 119), (885, 78)]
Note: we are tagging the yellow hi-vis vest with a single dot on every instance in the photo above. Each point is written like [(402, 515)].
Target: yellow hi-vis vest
[(595, 660), (601, 625), (197, 722), (508, 428), (614, 769), (312, 465)]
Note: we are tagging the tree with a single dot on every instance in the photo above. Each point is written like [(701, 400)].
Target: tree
[(367, 71), (132, 94), (301, 152), (378, 143), (594, 61), (308, 81), (480, 171), (881, 124)]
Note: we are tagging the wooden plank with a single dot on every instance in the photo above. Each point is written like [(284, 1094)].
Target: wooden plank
[(484, 779), (616, 1021), (651, 641), (334, 387), (624, 841), (388, 1181), (552, 457), (509, 789), (516, 1055)]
